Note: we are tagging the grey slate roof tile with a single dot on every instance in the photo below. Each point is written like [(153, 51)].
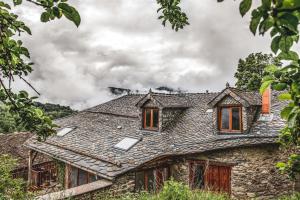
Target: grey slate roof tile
[(90, 145)]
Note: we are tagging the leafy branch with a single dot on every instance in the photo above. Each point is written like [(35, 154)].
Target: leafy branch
[(15, 62)]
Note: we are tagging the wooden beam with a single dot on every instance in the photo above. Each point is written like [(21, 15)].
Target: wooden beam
[(30, 153), (68, 176)]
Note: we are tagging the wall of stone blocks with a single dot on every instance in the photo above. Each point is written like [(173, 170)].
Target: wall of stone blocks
[(254, 174)]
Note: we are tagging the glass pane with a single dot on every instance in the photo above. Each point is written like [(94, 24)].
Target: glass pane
[(236, 119), (225, 118), (139, 181), (74, 173), (155, 118), (151, 181), (199, 177), (92, 178), (148, 118), (82, 177)]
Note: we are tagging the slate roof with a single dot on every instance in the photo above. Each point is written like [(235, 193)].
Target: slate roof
[(98, 129), (166, 100), (12, 144)]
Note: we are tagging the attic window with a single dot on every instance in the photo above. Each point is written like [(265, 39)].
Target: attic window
[(230, 119), (150, 119), (126, 143), (64, 131)]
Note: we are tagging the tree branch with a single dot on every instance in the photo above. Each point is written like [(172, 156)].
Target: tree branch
[(38, 4), (29, 85)]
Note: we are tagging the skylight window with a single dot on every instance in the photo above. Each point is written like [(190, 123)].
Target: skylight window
[(64, 131), (126, 143)]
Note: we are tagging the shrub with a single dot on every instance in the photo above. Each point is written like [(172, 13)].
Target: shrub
[(173, 190)]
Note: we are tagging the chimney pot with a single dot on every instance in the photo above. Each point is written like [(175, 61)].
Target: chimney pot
[(266, 101)]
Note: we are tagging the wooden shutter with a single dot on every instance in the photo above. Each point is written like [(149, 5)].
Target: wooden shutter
[(217, 178)]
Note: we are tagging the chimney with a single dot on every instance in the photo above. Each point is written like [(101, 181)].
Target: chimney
[(266, 101)]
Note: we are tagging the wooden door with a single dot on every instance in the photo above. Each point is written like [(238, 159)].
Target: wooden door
[(217, 178)]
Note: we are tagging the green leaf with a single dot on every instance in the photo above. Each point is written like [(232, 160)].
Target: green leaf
[(265, 85), (27, 30), (245, 6), (266, 4), (285, 96), (271, 68), (17, 2), (289, 21), (285, 112), (279, 86), (275, 44), (255, 19), (45, 17), (70, 13), (291, 55), (285, 43)]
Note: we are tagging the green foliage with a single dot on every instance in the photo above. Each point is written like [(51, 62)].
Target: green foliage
[(172, 190), (250, 71), (171, 12), (175, 191), (61, 166), (10, 189), (9, 122), (15, 63), (291, 197)]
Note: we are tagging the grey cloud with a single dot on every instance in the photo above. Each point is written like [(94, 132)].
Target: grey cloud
[(122, 44)]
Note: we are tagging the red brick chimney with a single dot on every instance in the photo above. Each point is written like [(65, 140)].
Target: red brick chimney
[(266, 101)]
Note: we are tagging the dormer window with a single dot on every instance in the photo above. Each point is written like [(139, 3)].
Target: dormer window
[(230, 119), (150, 120)]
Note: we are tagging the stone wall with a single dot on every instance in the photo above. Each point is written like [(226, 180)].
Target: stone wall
[(121, 186), (253, 176)]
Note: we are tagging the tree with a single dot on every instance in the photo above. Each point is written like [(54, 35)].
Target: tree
[(15, 62), (11, 188), (280, 18), (250, 71)]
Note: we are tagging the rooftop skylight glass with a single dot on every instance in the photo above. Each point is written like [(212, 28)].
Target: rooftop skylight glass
[(126, 143), (64, 131)]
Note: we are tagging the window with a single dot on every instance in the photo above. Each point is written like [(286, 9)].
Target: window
[(79, 177), (64, 131), (151, 180), (215, 177), (230, 119), (126, 143), (151, 118)]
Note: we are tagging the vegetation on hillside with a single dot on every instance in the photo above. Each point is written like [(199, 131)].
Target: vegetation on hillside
[(10, 122)]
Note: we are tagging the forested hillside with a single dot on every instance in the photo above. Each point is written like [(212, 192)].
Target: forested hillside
[(9, 123)]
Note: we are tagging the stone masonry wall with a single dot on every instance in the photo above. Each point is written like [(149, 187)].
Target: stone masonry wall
[(121, 185), (253, 176)]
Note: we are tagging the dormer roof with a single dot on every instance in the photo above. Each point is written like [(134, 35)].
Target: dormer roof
[(165, 100), (246, 98)]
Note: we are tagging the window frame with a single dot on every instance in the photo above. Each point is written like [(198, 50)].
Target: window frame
[(88, 177), (230, 107), (162, 173), (151, 119)]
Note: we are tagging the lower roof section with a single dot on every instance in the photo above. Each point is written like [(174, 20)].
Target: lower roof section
[(110, 171)]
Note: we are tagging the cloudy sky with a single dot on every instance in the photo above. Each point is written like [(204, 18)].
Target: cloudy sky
[(121, 43)]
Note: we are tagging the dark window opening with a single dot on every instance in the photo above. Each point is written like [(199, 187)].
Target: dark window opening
[(80, 177), (151, 180), (230, 119), (151, 119)]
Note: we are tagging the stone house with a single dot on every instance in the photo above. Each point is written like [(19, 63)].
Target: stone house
[(224, 141)]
